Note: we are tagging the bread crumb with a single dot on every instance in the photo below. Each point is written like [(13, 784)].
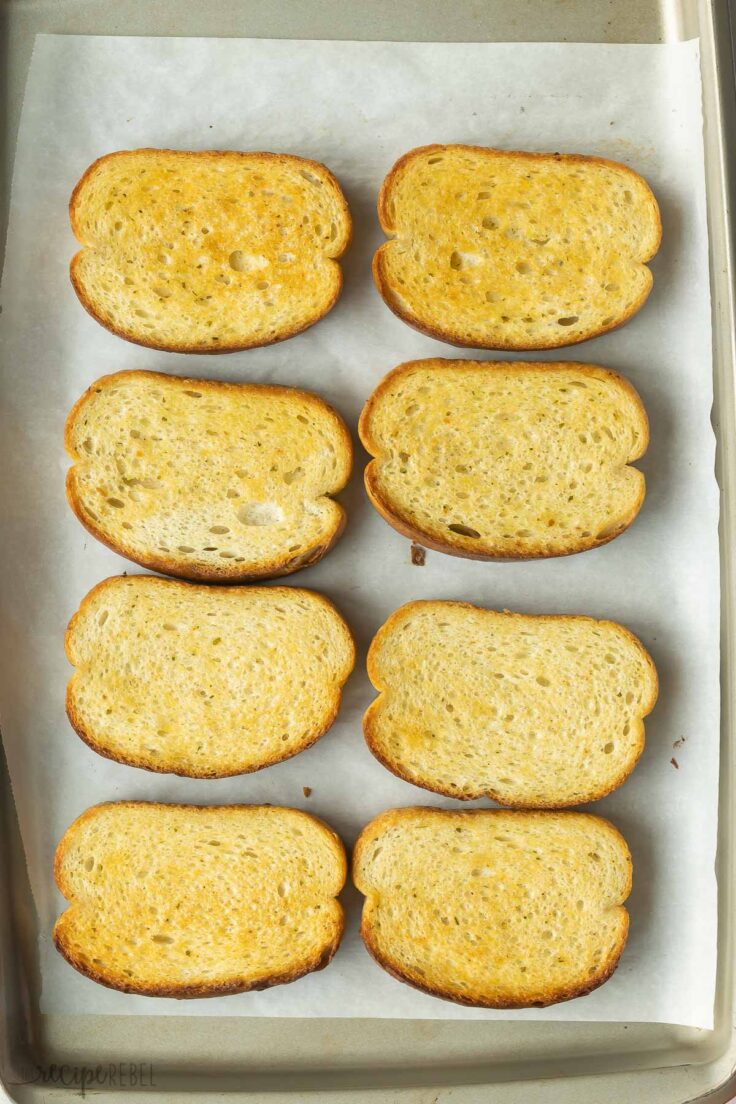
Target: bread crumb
[(306, 790), (418, 555), (674, 763)]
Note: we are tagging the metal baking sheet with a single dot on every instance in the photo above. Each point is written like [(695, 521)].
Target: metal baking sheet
[(359, 1060)]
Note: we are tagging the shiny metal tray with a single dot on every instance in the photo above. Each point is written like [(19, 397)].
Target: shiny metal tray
[(42, 1058)]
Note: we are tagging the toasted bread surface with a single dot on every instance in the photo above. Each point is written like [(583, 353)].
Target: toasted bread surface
[(204, 681), (207, 252), (207, 480), (505, 460), (198, 901), (493, 908), (496, 249), (532, 711)]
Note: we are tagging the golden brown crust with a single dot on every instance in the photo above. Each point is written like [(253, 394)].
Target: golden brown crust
[(114, 980), (385, 289), (228, 572), (146, 763), (470, 795), (552, 996), (456, 548), (139, 339)]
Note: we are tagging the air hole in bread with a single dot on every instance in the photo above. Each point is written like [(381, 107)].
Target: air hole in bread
[(570, 320), (116, 502), (460, 260), (241, 262), (260, 513), (463, 530)]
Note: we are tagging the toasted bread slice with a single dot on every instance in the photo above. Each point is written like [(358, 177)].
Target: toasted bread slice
[(207, 252), (535, 712), (501, 250), (207, 480), (204, 681), (198, 901), (505, 461), (493, 908)]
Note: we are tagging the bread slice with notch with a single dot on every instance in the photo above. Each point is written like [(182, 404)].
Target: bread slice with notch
[(496, 249), (207, 480), (534, 712), (204, 681), (198, 901), (505, 460), (207, 252), (492, 908)]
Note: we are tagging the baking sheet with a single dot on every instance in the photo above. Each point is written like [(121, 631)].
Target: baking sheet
[(358, 106)]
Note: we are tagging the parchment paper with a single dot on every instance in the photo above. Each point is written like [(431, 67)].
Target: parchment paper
[(357, 107)]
